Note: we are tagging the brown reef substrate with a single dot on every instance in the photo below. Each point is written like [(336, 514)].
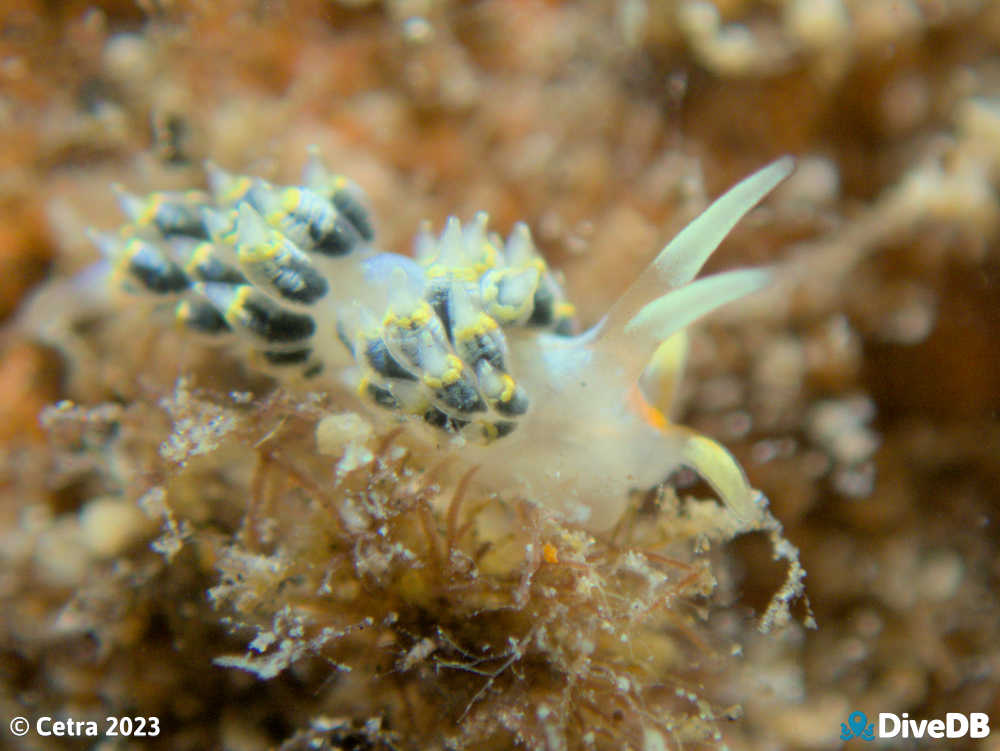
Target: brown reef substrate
[(861, 393)]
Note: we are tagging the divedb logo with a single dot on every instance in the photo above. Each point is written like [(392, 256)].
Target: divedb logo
[(954, 725)]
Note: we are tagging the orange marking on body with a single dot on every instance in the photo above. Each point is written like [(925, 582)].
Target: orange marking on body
[(638, 404)]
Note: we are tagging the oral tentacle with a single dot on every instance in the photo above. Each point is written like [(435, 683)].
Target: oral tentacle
[(683, 257)]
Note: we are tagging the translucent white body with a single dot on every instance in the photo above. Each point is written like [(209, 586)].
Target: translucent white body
[(598, 426), (466, 342)]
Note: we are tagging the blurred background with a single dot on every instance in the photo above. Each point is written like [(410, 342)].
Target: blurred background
[(861, 392)]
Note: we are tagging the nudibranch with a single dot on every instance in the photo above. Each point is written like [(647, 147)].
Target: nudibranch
[(469, 341)]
